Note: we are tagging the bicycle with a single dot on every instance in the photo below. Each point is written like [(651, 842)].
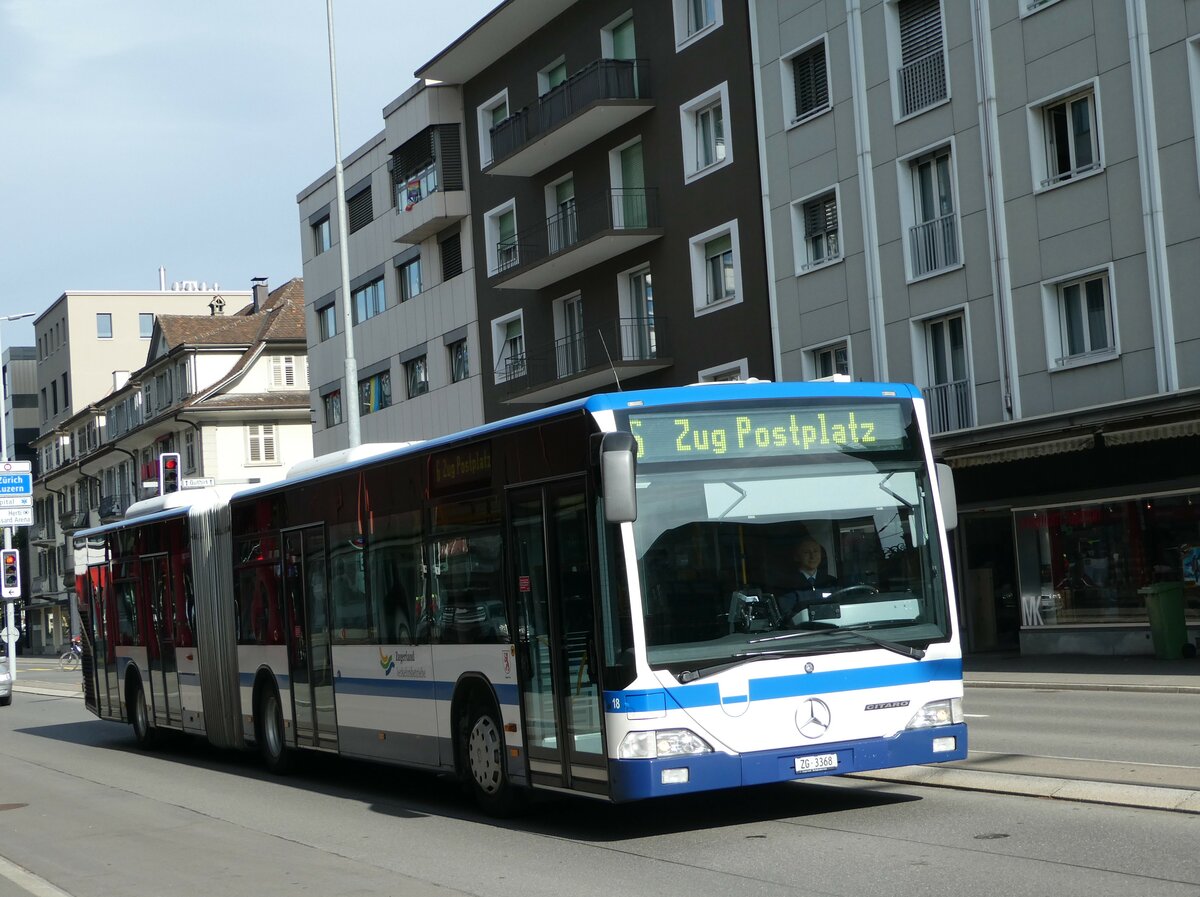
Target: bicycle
[(71, 658)]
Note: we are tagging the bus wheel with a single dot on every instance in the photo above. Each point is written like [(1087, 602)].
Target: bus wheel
[(482, 751), (140, 717), (272, 742)]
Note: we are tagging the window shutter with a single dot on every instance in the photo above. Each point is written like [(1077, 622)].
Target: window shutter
[(451, 257), (449, 153), (358, 210), (820, 215), (920, 29), (810, 81), (268, 442)]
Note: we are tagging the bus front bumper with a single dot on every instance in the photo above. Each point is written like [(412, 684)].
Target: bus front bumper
[(637, 779)]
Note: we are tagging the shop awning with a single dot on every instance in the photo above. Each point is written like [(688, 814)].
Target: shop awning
[(1150, 433), (1023, 452)]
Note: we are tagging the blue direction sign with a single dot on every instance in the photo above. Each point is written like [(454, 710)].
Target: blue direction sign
[(16, 484)]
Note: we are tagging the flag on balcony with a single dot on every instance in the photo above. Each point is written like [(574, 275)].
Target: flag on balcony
[(413, 189)]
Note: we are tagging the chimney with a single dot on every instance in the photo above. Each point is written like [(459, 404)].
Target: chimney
[(260, 294), (120, 378)]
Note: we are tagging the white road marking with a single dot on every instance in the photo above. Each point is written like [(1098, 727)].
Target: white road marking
[(34, 884), (977, 715)]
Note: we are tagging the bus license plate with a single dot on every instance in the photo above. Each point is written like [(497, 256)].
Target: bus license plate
[(816, 763)]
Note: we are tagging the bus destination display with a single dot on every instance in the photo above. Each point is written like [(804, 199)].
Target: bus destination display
[(767, 432)]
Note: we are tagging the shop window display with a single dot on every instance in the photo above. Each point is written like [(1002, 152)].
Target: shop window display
[(1081, 564)]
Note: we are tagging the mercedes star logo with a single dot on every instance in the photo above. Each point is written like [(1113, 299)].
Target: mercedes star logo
[(812, 719)]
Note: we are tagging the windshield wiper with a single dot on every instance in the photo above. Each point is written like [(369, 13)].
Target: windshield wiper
[(857, 631), (686, 676)]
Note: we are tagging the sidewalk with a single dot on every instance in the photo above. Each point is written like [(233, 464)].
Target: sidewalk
[(1076, 671)]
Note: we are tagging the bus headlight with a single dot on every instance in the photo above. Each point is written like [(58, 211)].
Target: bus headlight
[(662, 743), (937, 713)]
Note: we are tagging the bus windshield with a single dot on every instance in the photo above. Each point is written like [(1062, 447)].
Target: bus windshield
[(772, 546)]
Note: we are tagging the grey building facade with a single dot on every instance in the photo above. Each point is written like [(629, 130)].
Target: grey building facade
[(998, 201)]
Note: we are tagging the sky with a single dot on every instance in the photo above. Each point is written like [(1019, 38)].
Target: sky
[(143, 133)]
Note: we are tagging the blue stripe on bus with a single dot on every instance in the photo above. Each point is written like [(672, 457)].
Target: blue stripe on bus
[(419, 689), (794, 686)]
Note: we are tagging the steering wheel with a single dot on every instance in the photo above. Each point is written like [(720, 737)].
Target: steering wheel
[(860, 589)]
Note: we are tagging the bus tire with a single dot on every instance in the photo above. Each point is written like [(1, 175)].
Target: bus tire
[(143, 730), (6, 700), (270, 733), (481, 746)]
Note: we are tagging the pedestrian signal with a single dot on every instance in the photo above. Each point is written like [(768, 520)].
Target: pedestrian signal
[(168, 473), (10, 560)]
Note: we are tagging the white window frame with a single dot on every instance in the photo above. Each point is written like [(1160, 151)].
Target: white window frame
[(801, 249), (283, 367), (700, 303), (189, 451), (1052, 314), (543, 76), (491, 235), (499, 326), (792, 116), (104, 314), (1039, 137), (809, 361), (262, 433), (908, 207), (466, 375), (483, 118), (607, 44), (895, 55), (1029, 7), (566, 237), (689, 125), (1193, 58), (685, 38), (717, 371), (142, 315)]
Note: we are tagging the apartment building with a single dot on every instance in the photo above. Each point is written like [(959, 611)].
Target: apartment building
[(228, 392), (998, 201), (412, 293), (616, 207)]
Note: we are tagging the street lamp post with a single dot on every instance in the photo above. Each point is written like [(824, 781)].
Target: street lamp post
[(10, 617)]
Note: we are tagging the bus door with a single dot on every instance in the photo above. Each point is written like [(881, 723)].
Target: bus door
[(104, 667), (164, 670), (310, 660), (555, 617)]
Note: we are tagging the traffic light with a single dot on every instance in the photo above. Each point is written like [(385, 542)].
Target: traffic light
[(10, 560), (168, 473)]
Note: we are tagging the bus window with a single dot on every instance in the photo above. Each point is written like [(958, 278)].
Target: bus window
[(256, 592), (353, 623), (396, 576)]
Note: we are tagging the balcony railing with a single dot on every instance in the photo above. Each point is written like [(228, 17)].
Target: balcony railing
[(603, 79), (950, 406), (73, 520), (114, 506), (597, 346), (934, 245), (610, 210), (40, 532), (922, 83)]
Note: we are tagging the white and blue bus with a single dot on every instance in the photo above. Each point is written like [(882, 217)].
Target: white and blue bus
[(602, 598)]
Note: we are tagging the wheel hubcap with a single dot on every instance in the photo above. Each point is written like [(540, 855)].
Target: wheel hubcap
[(271, 726), (484, 755)]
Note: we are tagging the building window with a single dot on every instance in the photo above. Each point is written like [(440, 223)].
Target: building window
[(416, 375), (104, 325), (327, 321), (552, 76), (500, 228), (508, 347), (189, 450), (260, 444), (703, 123), (921, 74), (1083, 327), (359, 212), (369, 301), (831, 361), (489, 115), (635, 298), (333, 408), (145, 324), (287, 372), (322, 236), (815, 224), (694, 19), (716, 268), (375, 393), (933, 234), (460, 366), (733, 370), (806, 83), (948, 395), (1070, 137), (408, 276), (570, 351)]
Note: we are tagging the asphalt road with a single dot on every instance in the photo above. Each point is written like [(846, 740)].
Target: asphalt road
[(85, 812)]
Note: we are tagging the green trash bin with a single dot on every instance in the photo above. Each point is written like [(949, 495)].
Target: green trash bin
[(1168, 630)]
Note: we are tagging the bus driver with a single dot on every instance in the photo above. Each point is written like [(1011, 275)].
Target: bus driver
[(812, 582)]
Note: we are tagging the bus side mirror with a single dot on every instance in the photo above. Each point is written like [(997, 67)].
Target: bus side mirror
[(949, 501), (618, 468)]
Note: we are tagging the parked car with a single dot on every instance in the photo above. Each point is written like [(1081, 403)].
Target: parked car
[(5, 684)]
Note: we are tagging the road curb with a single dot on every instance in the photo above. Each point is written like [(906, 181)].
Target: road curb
[(1083, 686), (47, 692), (1178, 800)]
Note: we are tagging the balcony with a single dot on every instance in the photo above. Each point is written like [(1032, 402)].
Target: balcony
[(40, 534), (585, 362), (112, 507), (595, 101), (73, 520), (950, 406), (934, 245), (587, 233), (428, 184), (922, 83)]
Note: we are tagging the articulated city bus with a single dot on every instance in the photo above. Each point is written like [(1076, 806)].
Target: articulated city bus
[(602, 598)]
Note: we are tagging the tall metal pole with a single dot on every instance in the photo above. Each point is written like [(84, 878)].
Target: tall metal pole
[(10, 617), (350, 375)]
